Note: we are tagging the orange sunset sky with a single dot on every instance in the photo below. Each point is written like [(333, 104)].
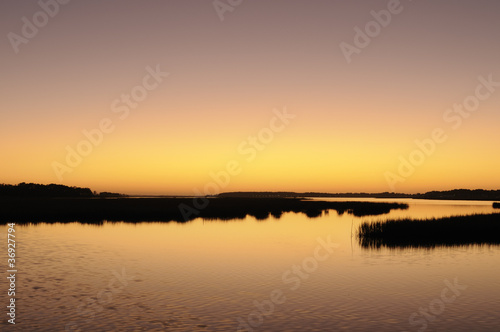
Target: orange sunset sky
[(352, 117)]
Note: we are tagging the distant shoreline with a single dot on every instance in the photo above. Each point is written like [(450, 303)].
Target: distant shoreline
[(456, 194), (56, 190)]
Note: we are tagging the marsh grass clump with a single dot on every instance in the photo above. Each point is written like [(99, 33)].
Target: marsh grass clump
[(450, 231)]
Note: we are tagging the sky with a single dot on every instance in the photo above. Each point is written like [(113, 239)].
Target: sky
[(198, 97)]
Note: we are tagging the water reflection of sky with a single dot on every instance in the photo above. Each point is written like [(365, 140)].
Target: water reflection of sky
[(424, 208), (205, 275)]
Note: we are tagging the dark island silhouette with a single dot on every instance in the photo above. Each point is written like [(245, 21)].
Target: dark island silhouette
[(32, 210), (32, 203)]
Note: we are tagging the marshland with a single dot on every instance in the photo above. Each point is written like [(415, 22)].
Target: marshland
[(98, 210), (480, 229), (234, 250)]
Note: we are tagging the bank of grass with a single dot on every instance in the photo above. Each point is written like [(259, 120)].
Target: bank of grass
[(450, 231), (98, 210)]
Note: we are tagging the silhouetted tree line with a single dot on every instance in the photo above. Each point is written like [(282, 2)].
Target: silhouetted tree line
[(108, 194), (41, 190), (290, 194), (261, 194), (456, 194), (462, 194)]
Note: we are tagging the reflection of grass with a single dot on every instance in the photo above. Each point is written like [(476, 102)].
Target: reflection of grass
[(96, 210), (450, 231), (496, 205)]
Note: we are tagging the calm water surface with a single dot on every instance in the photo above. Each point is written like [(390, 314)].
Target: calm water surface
[(218, 276)]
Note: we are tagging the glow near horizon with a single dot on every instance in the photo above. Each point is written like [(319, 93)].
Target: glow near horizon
[(353, 121)]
